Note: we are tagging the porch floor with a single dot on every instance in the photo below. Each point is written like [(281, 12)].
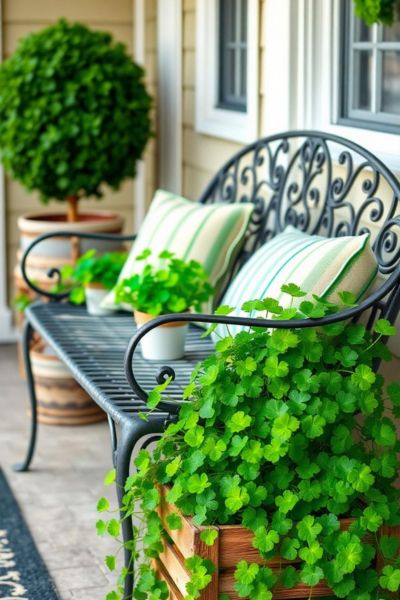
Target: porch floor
[(58, 496)]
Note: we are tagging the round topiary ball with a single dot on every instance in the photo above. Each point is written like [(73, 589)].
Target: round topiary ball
[(74, 112)]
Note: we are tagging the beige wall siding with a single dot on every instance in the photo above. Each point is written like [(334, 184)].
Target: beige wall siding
[(151, 79), (21, 17)]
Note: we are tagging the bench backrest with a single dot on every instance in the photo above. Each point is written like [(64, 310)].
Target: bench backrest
[(322, 184)]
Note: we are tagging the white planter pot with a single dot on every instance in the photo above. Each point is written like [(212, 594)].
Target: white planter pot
[(166, 342), (94, 297)]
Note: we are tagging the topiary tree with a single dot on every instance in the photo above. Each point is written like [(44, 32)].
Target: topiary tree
[(74, 113)]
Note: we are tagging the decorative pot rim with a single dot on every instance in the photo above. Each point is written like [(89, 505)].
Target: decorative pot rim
[(41, 222), (146, 317)]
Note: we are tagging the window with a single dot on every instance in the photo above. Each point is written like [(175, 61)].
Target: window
[(227, 57), (371, 74), (232, 86)]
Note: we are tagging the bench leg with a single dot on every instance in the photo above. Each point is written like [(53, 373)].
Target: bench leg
[(27, 336), (130, 435)]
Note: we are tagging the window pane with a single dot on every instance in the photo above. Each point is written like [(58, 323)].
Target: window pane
[(390, 101), (362, 32), (232, 54), (391, 34), (362, 73)]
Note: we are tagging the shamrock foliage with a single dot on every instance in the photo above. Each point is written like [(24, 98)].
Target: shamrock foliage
[(315, 443)]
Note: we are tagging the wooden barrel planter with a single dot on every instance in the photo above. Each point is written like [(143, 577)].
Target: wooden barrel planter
[(61, 401), (234, 543)]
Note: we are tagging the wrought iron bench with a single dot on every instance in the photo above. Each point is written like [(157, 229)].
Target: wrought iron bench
[(317, 182)]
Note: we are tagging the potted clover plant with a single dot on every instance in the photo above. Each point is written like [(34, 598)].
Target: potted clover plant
[(93, 277), (172, 285), (278, 478)]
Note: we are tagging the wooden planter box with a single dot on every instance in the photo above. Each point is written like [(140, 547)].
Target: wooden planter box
[(234, 543)]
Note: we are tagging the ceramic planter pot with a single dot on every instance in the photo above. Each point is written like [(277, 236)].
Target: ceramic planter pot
[(95, 294), (166, 342)]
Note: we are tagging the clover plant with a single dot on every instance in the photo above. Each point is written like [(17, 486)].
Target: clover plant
[(74, 112), (171, 286), (376, 11), (284, 432), (91, 268)]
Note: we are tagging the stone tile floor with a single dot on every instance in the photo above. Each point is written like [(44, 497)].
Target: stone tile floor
[(58, 496)]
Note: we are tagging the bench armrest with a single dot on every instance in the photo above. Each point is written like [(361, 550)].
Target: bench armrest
[(55, 273), (353, 313)]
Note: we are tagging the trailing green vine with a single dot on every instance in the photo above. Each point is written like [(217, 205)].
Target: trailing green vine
[(284, 432)]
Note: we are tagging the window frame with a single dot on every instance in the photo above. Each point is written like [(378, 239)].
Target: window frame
[(210, 119), (308, 79), (373, 120)]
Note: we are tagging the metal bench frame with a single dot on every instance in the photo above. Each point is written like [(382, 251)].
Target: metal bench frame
[(321, 184)]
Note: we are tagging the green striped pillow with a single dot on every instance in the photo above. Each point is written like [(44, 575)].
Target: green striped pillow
[(319, 265), (211, 234)]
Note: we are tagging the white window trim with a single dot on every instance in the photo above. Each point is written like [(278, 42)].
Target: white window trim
[(218, 122), (309, 31)]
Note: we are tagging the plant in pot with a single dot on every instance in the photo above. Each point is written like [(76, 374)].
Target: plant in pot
[(170, 286), (278, 479), (93, 277), (74, 117)]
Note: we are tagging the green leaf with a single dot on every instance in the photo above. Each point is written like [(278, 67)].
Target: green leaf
[(293, 290), (239, 421), (363, 377), (101, 527), (290, 577), (245, 574), (313, 426), (174, 521), (389, 545), (289, 548), (390, 578), (312, 553), (197, 483), (103, 505), (371, 520), (195, 436), (173, 466), (114, 527), (110, 562), (265, 540), (311, 575), (109, 479), (349, 552), (384, 327), (208, 536), (385, 432), (308, 529), (287, 501)]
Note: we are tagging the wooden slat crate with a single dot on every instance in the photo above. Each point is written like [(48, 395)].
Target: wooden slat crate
[(232, 545)]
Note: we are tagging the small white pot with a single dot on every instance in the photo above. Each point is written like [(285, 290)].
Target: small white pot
[(166, 342), (95, 294)]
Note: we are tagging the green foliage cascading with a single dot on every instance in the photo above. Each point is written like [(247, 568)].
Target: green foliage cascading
[(74, 112), (285, 432)]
